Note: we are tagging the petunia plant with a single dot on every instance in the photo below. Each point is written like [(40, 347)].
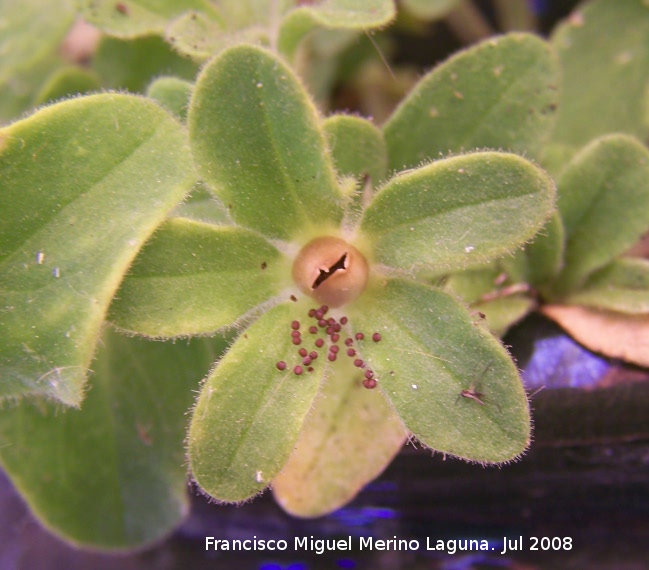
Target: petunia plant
[(583, 269), (343, 344), (319, 248)]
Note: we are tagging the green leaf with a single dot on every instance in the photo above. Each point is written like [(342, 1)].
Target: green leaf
[(202, 206), (604, 204), (500, 94), (257, 142), (198, 36), (458, 212), (111, 475), (331, 463), (193, 278), (249, 414), (30, 34), (430, 352), (495, 292), (84, 183), (65, 82), (542, 259), (336, 14), (30, 37), (357, 147), (429, 9), (622, 286), (18, 92), (502, 313), (132, 18), (604, 51), (133, 64), (251, 13), (173, 94), (472, 284)]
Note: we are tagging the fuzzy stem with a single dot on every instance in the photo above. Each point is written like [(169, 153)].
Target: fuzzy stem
[(468, 23), (515, 15)]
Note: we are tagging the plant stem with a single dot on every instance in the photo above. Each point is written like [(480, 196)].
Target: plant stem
[(468, 23), (515, 15)]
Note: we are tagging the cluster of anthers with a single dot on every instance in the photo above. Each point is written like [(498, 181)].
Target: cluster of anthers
[(328, 331)]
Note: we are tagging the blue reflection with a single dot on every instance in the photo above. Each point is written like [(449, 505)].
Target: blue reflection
[(471, 562), (346, 564), (559, 362), (274, 566), (382, 486), (539, 7), (363, 516)]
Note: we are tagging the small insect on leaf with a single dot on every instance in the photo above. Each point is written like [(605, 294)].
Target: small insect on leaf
[(472, 392)]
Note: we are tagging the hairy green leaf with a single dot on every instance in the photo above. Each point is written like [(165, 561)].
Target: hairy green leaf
[(336, 14), (542, 259), (357, 147), (111, 475), (257, 142), (604, 51), (65, 82), (29, 34), (202, 206), (501, 313), (172, 93), (604, 203), (500, 94), (194, 278), (331, 463), (458, 212), (622, 286), (199, 36), (29, 43), (133, 18), (453, 384), (84, 183), (133, 64), (429, 9), (249, 414)]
